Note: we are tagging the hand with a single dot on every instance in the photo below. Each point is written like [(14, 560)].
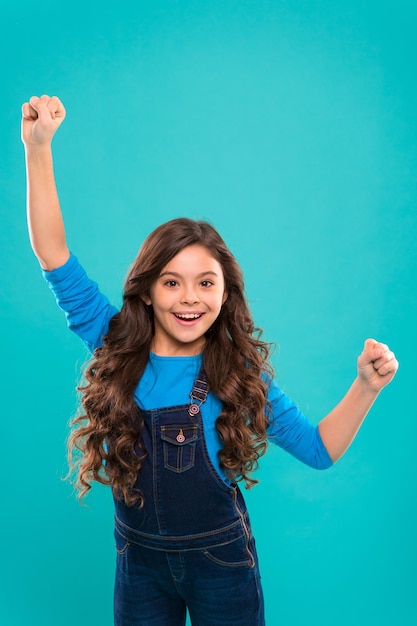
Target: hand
[(41, 119), (377, 365)]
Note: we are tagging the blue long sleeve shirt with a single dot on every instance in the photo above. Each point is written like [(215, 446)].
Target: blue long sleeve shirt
[(167, 381)]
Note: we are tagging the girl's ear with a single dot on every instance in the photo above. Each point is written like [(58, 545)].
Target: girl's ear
[(146, 298), (225, 295)]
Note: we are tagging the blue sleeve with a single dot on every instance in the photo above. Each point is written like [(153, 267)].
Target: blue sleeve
[(293, 432), (87, 310)]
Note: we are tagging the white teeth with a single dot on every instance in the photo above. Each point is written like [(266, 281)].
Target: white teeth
[(188, 316)]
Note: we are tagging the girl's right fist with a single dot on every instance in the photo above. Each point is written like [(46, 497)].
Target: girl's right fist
[(41, 118)]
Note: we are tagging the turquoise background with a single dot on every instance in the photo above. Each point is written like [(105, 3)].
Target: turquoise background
[(291, 126)]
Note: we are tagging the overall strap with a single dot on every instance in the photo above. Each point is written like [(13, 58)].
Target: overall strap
[(198, 393)]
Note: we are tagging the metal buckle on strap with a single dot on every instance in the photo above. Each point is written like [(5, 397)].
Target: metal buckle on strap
[(198, 394)]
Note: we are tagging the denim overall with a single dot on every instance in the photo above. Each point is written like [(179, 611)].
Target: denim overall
[(190, 545)]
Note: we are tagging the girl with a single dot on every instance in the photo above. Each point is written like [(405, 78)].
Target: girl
[(178, 405)]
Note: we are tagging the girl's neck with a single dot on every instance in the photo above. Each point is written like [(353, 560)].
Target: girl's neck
[(181, 350)]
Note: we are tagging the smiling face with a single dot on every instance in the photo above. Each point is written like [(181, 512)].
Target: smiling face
[(186, 299)]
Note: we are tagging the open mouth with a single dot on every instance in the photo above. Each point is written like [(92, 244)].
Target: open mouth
[(188, 317)]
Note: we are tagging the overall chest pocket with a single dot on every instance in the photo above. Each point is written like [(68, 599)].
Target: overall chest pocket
[(179, 444)]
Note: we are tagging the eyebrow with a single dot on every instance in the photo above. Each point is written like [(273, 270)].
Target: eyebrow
[(179, 275)]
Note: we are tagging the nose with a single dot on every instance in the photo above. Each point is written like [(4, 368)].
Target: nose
[(189, 296)]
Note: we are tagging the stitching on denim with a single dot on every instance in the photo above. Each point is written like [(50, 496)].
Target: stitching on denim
[(174, 549), (180, 466), (179, 538), (176, 579), (173, 450), (213, 473), (224, 563), (246, 528), (125, 549), (178, 451), (126, 546), (155, 475), (167, 428)]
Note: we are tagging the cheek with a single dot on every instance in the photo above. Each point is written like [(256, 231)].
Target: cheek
[(219, 301), (223, 294)]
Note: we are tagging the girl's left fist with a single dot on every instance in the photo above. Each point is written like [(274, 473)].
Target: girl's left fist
[(377, 365)]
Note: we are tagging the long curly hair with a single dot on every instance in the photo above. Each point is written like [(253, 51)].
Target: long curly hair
[(105, 444)]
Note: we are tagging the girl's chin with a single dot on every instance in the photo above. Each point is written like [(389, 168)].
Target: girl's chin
[(178, 344)]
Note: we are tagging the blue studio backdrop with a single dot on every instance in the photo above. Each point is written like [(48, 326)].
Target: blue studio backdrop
[(291, 126)]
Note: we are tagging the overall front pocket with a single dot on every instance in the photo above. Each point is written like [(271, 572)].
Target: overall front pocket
[(179, 446)]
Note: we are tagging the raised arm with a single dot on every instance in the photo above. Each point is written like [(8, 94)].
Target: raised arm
[(41, 117), (377, 366)]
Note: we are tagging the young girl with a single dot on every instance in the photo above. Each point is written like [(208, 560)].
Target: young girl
[(178, 405)]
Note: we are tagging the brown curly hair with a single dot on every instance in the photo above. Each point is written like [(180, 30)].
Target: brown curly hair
[(105, 444)]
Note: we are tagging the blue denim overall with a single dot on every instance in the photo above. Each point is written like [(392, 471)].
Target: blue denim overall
[(190, 545)]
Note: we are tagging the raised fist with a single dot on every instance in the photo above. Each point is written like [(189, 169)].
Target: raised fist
[(41, 119), (377, 365)]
